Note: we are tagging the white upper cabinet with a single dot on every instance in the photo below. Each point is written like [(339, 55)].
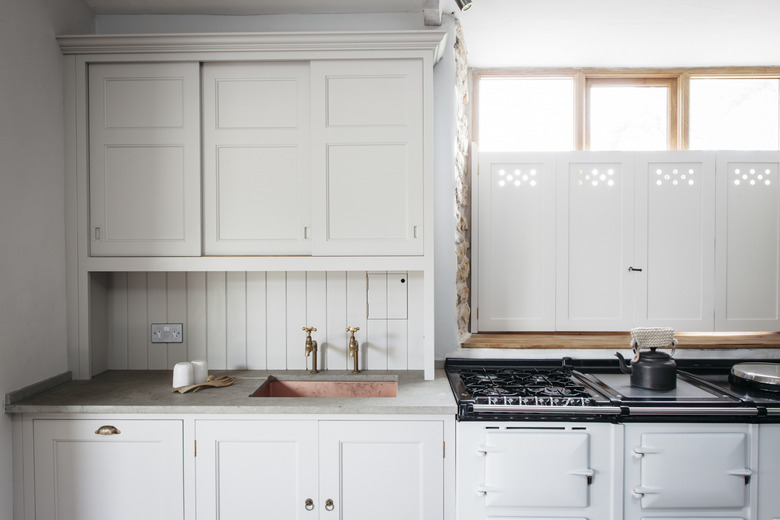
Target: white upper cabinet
[(367, 157), (675, 233), (595, 241), (748, 241), (144, 157), (516, 250), (256, 158)]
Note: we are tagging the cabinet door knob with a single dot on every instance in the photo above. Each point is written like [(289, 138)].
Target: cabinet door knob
[(329, 505), (309, 504), (107, 430)]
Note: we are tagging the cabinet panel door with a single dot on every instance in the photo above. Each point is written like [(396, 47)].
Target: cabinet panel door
[(256, 158), (675, 239), (135, 473), (768, 471), (382, 470), (144, 132), (748, 241), (516, 249), (367, 167), (595, 241), (265, 469)]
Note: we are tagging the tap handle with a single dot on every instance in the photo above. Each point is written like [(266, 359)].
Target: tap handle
[(353, 330), (309, 330)]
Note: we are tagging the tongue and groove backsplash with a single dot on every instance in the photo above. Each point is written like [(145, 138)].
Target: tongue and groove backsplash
[(253, 320)]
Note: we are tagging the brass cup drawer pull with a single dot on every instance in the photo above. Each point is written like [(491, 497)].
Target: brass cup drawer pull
[(107, 430)]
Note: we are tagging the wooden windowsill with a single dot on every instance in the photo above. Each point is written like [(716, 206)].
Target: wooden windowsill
[(612, 340)]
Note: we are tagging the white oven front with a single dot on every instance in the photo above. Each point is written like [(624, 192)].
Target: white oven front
[(690, 471), (551, 470)]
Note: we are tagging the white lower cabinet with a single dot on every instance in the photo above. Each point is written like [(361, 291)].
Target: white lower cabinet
[(319, 469), (243, 467), (96, 469), (769, 472), (694, 471)]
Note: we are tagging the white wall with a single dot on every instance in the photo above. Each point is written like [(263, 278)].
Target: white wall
[(32, 256), (445, 129)]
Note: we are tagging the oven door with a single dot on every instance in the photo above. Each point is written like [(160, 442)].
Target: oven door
[(684, 468), (554, 470)]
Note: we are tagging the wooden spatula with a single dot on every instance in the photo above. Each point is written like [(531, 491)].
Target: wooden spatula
[(210, 381)]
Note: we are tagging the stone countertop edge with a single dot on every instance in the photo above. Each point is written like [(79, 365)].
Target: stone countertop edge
[(150, 392)]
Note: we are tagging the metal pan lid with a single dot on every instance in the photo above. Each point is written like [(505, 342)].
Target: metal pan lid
[(764, 373)]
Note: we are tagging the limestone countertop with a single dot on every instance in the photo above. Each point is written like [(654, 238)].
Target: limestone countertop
[(139, 392)]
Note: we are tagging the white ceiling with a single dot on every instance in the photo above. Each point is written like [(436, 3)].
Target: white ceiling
[(552, 33)]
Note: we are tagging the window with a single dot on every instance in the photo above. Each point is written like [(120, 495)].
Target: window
[(577, 109), (526, 114), (630, 114), (734, 113)]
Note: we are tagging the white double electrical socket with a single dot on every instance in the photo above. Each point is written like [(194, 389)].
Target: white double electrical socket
[(167, 333)]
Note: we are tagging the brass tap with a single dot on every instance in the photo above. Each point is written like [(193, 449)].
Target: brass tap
[(353, 347), (311, 347)]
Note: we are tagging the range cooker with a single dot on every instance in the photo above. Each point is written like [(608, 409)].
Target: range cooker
[(572, 438), (596, 390)]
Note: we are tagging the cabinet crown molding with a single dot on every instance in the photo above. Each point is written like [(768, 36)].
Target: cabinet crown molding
[(413, 40)]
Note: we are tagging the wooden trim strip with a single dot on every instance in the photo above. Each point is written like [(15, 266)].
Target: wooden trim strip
[(616, 340)]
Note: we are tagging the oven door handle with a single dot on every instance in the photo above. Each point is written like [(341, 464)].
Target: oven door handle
[(484, 450), (584, 473), (745, 473), (639, 492), (641, 451), (483, 490)]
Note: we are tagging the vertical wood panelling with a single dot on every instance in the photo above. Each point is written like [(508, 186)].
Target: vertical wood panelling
[(334, 349), (117, 318), (216, 323), (136, 321), (253, 320), (195, 327), (317, 310), (236, 321), (157, 312), (415, 332), (296, 319), (397, 355), (177, 313), (374, 351), (276, 321), (356, 310)]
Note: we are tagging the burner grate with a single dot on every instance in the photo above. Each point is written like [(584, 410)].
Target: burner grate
[(525, 386)]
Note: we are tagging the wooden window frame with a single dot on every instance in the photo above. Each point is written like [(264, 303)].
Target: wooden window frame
[(677, 80)]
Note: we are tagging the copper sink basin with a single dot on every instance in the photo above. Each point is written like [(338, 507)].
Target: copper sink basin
[(304, 388)]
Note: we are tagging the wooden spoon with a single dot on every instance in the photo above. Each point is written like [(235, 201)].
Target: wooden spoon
[(210, 381)]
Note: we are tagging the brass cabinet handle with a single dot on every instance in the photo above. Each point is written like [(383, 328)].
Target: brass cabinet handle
[(107, 430), (309, 504), (329, 505)]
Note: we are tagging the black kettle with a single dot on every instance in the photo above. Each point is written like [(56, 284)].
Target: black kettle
[(652, 370)]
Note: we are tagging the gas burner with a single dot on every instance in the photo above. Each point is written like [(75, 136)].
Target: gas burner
[(524, 386)]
